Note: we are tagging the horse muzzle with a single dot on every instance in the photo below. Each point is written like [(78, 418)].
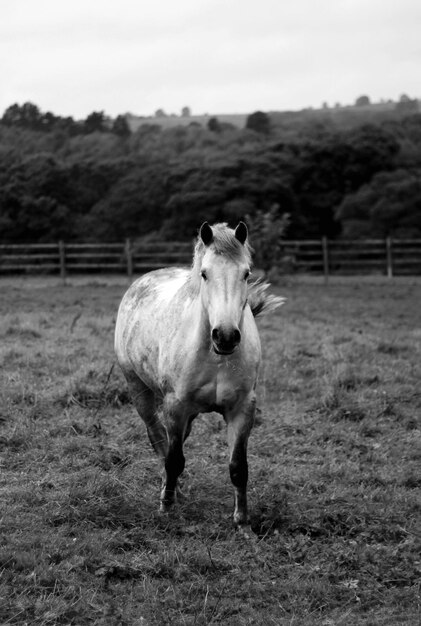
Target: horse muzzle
[(225, 342)]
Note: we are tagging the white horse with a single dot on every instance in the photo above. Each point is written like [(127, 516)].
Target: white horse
[(187, 343)]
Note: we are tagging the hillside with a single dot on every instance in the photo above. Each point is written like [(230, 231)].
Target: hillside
[(352, 172), (172, 121), (337, 116)]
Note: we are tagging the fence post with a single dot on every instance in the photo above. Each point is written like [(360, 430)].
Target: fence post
[(325, 259), (62, 256), (129, 258), (389, 257)]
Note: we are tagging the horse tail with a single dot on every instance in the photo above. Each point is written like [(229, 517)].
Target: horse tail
[(261, 302)]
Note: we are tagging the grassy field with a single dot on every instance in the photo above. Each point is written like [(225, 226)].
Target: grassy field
[(334, 470)]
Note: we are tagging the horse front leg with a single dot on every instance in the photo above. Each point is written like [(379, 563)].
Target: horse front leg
[(239, 425), (173, 467), (177, 423)]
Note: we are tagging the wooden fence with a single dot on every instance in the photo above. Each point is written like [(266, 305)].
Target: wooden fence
[(366, 256), (370, 256)]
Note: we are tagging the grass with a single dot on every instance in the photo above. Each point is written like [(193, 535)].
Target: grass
[(334, 460)]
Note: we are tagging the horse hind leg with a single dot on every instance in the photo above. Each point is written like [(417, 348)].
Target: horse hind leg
[(144, 401)]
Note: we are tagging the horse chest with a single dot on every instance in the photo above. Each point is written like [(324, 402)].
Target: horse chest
[(217, 386)]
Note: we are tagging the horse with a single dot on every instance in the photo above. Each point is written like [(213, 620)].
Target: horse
[(187, 343)]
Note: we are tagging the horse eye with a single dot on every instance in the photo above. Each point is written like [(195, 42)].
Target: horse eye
[(204, 275), (246, 274)]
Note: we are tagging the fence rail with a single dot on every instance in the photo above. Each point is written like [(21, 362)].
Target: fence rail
[(370, 256)]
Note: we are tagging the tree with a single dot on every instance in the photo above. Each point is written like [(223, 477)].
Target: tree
[(406, 105), (27, 116), (185, 112), (214, 125), (68, 126), (12, 116), (259, 122), (362, 101), (132, 207), (389, 205), (120, 126), (34, 200), (187, 209), (330, 168), (49, 121), (95, 122)]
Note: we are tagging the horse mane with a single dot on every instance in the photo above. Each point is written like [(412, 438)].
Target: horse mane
[(261, 302)]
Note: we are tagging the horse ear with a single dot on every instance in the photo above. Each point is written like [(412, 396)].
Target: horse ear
[(206, 233), (241, 232)]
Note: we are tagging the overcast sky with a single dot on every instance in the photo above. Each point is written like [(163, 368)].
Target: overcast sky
[(73, 57)]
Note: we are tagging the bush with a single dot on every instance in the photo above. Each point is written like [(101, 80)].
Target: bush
[(268, 230)]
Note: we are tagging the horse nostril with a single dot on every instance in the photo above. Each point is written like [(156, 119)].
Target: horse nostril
[(236, 337), (215, 335)]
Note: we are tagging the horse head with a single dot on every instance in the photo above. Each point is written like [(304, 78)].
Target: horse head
[(224, 267)]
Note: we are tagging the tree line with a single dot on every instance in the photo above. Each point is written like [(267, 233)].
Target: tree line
[(95, 180)]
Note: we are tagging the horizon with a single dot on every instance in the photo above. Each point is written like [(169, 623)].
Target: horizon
[(167, 113)]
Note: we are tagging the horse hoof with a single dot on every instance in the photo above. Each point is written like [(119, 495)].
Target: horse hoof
[(165, 508), (240, 519), (246, 532)]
